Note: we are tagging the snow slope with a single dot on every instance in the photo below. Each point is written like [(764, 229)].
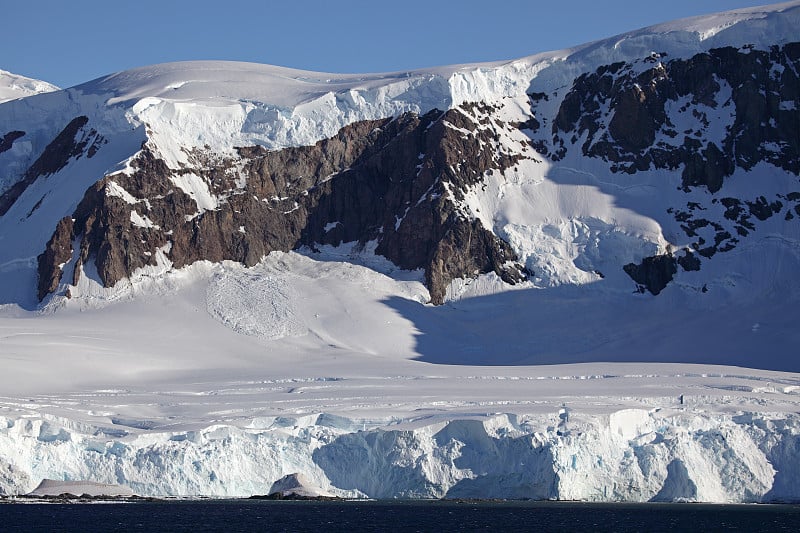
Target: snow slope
[(219, 380), (13, 86), (180, 402)]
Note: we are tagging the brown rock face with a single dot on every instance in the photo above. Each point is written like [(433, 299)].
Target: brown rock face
[(394, 181), (761, 89), (704, 116), (639, 111), (58, 252)]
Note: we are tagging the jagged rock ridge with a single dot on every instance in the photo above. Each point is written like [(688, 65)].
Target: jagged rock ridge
[(396, 181), (704, 116)]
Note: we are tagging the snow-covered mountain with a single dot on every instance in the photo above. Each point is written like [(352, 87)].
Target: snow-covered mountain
[(13, 86), (206, 227), (560, 168)]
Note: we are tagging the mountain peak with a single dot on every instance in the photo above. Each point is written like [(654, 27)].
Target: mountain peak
[(13, 86), (620, 164)]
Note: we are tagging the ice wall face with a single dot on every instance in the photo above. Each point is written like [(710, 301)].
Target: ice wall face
[(630, 455)]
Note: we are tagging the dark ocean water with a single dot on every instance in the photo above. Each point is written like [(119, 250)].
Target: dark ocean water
[(245, 515)]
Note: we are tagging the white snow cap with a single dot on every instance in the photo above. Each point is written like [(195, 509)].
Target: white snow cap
[(13, 86)]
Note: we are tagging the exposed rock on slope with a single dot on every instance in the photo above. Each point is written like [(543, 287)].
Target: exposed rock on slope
[(73, 142), (706, 116), (395, 181), (562, 168)]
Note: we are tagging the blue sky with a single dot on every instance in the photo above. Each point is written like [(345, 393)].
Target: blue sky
[(68, 42)]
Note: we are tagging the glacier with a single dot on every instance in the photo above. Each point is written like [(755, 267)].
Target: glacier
[(204, 393), (670, 454)]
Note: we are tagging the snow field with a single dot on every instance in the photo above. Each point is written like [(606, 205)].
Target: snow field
[(221, 361)]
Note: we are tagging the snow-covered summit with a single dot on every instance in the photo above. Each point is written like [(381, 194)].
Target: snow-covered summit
[(223, 103), (760, 27), (288, 88), (281, 107), (13, 86), (708, 26)]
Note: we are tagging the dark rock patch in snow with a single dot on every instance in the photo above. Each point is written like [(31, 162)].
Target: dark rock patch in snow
[(622, 112), (7, 140), (393, 181), (57, 253), (653, 273), (71, 142)]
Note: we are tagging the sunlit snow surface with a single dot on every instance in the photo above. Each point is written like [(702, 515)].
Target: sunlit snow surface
[(13, 86), (187, 391), (219, 380)]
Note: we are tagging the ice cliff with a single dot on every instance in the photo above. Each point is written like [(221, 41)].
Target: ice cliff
[(628, 455)]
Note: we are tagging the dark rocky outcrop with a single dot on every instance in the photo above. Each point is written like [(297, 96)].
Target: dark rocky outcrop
[(7, 140), (60, 150), (72, 142), (738, 219), (58, 252), (622, 109), (762, 210), (653, 273), (689, 262), (394, 181)]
